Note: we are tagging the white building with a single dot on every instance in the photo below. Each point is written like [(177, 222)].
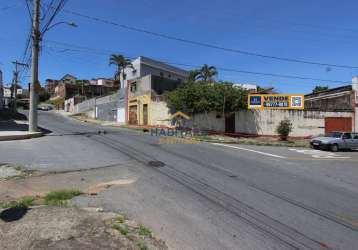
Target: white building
[(143, 66), (7, 91), (103, 82), (247, 86)]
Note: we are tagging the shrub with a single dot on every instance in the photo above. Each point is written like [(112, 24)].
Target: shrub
[(284, 128)]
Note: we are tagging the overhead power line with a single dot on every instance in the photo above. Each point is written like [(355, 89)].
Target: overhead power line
[(207, 45), (88, 50), (56, 11), (8, 7)]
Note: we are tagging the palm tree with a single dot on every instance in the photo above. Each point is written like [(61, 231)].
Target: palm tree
[(193, 75), (207, 73), (122, 63)]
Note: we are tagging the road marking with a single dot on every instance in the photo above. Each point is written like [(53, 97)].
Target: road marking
[(250, 150), (319, 154)]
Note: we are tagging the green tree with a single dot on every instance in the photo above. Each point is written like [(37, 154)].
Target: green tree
[(122, 63), (319, 89), (207, 73), (193, 75), (202, 97)]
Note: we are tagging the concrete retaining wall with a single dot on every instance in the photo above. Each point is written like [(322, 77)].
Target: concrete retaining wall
[(265, 122), (209, 121)]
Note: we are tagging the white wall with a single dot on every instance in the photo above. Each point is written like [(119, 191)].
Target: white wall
[(209, 122), (265, 122), (121, 115)]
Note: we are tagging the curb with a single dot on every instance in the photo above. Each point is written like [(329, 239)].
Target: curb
[(21, 136)]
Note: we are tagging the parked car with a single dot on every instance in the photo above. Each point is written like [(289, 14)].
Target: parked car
[(44, 107), (335, 141)]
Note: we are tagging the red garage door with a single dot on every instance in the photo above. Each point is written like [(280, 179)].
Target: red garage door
[(338, 124)]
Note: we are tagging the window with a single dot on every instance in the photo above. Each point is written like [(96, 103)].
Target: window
[(133, 87), (134, 72), (161, 74), (355, 136), (124, 76), (347, 136), (169, 76)]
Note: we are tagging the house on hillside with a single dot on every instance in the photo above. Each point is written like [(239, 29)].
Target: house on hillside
[(143, 66), (69, 87), (51, 84)]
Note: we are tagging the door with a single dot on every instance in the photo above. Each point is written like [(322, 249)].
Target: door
[(145, 114), (355, 141), (343, 124), (133, 120), (230, 123), (348, 140)]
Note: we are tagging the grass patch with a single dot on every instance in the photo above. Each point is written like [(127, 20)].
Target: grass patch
[(131, 237), (123, 230), (23, 202), (61, 197), (120, 218), (144, 231), (142, 245)]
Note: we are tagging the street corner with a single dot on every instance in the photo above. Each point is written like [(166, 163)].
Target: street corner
[(19, 135)]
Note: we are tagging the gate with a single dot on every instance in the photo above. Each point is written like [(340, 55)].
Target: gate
[(337, 124), (230, 123)]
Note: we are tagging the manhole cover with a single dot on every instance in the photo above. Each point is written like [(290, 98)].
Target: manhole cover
[(156, 164)]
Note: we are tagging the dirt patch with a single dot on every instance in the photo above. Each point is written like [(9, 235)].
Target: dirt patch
[(88, 182), (10, 171), (74, 228)]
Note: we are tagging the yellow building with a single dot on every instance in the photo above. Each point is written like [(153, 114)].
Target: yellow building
[(146, 101)]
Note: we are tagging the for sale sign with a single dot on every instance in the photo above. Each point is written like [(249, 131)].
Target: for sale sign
[(275, 101)]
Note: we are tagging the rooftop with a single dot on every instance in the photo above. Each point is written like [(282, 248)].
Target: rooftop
[(160, 65)]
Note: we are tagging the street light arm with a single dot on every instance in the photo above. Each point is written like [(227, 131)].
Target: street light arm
[(53, 25)]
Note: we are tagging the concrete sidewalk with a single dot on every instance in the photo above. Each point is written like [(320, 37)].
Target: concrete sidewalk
[(16, 130)]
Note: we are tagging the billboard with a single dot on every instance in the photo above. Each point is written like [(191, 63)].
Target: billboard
[(275, 101)]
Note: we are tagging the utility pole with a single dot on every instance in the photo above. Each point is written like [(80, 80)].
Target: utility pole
[(15, 82), (1, 92), (34, 67)]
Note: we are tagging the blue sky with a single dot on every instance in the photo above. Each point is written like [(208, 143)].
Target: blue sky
[(321, 30)]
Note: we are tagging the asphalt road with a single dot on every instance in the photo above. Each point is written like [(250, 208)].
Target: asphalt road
[(209, 196)]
